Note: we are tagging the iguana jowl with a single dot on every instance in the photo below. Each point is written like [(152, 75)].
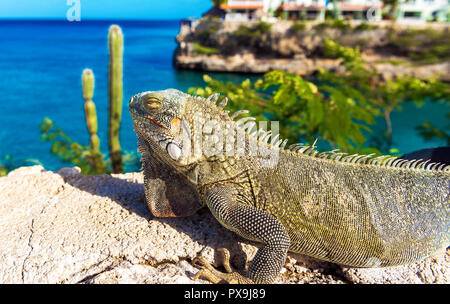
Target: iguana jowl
[(352, 210)]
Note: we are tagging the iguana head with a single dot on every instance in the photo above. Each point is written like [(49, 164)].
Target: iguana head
[(157, 118), (165, 122), (196, 137)]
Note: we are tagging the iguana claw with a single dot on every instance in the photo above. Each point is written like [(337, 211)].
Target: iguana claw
[(215, 276)]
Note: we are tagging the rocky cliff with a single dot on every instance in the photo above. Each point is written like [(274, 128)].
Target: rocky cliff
[(257, 47), (64, 227)]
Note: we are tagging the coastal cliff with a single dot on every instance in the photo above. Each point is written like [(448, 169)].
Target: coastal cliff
[(297, 47)]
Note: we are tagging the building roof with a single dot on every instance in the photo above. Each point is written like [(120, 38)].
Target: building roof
[(241, 6)]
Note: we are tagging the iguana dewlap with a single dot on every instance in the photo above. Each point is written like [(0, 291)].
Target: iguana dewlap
[(353, 210)]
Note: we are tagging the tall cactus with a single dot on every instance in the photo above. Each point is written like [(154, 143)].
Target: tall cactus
[(88, 83), (115, 90)]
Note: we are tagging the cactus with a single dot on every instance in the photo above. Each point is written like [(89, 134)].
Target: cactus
[(95, 158), (115, 94)]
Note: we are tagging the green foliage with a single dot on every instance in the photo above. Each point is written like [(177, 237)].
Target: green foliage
[(365, 26), (206, 33), (333, 24), (394, 61), (339, 111), (383, 96), (262, 27), (335, 50), (3, 170), (301, 107), (423, 46), (74, 153), (68, 150), (219, 2), (246, 35), (9, 163), (344, 25), (298, 26), (429, 132), (203, 50)]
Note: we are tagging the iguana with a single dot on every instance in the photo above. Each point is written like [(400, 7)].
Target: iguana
[(354, 210)]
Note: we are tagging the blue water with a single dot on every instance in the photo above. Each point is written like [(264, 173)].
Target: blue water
[(40, 76), (40, 69)]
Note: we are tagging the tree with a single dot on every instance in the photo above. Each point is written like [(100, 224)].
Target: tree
[(393, 11), (219, 2), (336, 10)]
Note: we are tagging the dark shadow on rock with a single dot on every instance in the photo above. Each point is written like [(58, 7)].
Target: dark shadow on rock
[(201, 227), (126, 193)]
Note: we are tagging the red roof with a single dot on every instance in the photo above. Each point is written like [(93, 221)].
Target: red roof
[(249, 6)]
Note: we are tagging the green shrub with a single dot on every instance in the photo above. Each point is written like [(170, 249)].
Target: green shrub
[(298, 26), (423, 46), (333, 24), (262, 27), (9, 163), (211, 29), (305, 111), (365, 26), (203, 50), (67, 150), (335, 50), (246, 34)]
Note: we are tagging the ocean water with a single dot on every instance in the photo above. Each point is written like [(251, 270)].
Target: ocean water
[(40, 76)]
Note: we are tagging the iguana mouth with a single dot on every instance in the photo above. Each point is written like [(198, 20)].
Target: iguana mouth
[(150, 119), (153, 120)]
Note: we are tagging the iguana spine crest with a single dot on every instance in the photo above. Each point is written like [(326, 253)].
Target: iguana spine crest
[(333, 155)]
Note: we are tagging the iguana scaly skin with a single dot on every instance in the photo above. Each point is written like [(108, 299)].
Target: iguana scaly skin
[(353, 210)]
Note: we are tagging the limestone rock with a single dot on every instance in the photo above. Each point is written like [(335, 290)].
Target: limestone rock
[(64, 227)]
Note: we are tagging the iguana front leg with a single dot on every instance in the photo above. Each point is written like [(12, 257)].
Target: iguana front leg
[(252, 224)]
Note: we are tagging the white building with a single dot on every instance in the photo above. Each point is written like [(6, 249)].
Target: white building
[(416, 10), (243, 10), (359, 9), (303, 9)]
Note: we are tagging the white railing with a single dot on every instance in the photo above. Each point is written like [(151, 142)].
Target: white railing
[(306, 2), (237, 17), (368, 3), (245, 3), (419, 5)]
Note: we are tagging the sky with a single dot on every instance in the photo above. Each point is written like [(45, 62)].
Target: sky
[(103, 9)]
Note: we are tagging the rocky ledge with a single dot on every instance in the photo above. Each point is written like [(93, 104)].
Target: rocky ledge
[(223, 46), (304, 66), (64, 227)]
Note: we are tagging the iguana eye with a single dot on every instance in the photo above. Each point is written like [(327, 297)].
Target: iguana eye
[(151, 102), (174, 151)]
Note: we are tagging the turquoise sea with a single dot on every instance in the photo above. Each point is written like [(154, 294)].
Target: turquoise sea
[(40, 71)]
